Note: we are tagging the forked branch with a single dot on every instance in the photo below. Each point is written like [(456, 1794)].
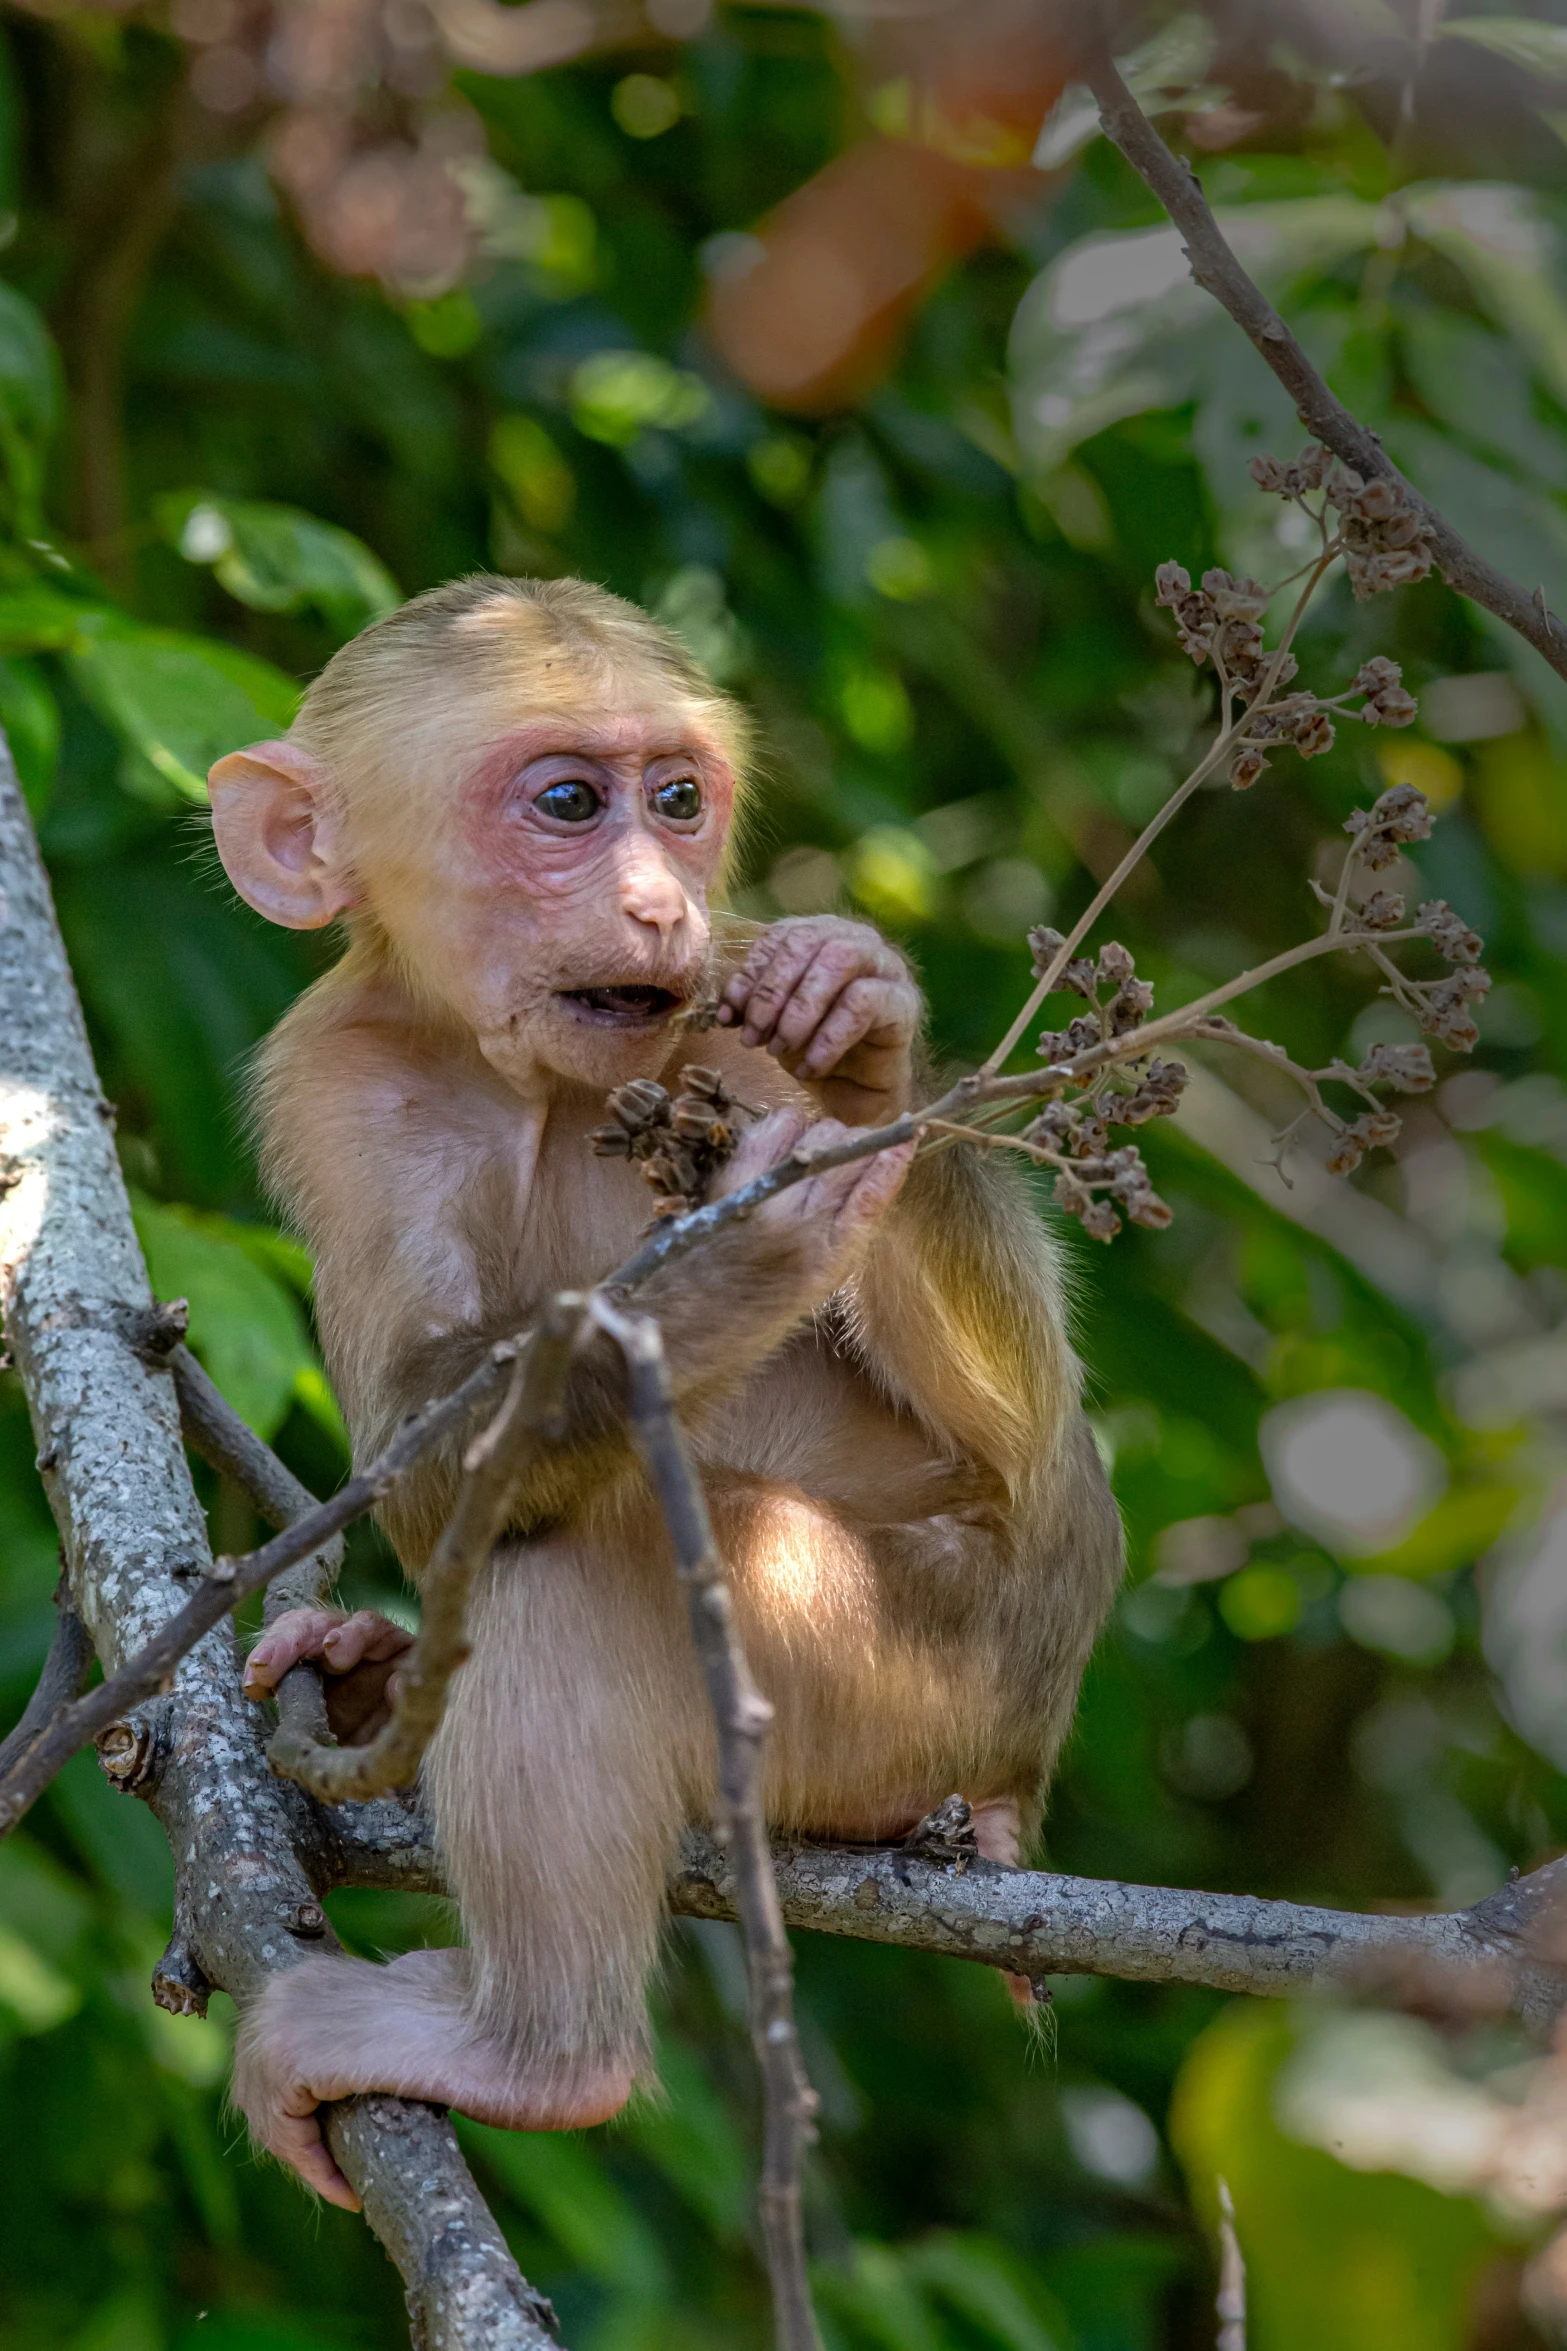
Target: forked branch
[(1216, 269)]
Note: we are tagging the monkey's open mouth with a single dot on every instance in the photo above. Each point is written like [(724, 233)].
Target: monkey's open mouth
[(630, 1007)]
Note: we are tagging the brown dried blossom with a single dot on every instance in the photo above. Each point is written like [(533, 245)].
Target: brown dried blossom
[(1444, 1008), (1449, 933), (1065, 1044), (1246, 767), (1400, 814), (1157, 1095), (678, 1145), (1383, 911), (1387, 703), (1385, 537), (1408, 1068), (1309, 472)]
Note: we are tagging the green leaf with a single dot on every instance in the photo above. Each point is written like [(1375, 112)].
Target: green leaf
[(1358, 2259), (689, 2136), (991, 2288), (1117, 325), (278, 558), (177, 703), (29, 406), (1509, 244), (38, 618), (1539, 48), (31, 718), (244, 1324), (566, 2187), (1478, 385), (881, 2299)]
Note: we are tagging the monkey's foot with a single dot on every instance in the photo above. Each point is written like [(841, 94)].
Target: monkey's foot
[(335, 2027)]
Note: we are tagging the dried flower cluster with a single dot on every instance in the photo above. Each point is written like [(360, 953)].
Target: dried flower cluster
[(678, 1145), (1074, 1136), (1382, 535), (1105, 1068)]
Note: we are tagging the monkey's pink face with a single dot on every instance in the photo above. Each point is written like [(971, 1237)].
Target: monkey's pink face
[(548, 885), (569, 917)]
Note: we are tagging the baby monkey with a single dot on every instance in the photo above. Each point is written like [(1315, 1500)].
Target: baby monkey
[(518, 797)]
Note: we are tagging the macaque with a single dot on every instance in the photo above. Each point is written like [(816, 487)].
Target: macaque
[(518, 798)]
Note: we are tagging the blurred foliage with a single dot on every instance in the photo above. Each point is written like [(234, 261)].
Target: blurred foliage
[(937, 598)]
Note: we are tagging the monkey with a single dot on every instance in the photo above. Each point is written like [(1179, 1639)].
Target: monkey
[(519, 799)]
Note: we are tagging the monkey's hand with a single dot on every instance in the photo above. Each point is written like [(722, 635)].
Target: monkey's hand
[(830, 1217), (358, 1656), (837, 1008)]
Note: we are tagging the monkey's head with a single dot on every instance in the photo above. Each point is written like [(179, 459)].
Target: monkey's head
[(519, 793)]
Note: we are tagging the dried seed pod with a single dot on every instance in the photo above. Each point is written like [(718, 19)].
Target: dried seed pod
[(638, 1104), (610, 1142)]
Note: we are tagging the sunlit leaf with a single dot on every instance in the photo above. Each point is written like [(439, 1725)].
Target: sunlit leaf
[(1539, 48), (280, 559), (177, 703), (244, 1324), (1356, 2259)]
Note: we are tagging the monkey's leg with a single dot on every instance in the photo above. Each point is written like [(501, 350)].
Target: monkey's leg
[(556, 1785), (559, 1783)]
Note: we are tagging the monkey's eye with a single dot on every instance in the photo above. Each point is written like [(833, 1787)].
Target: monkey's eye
[(571, 801), (680, 799)]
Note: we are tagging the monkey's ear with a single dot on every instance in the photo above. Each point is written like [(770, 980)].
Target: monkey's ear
[(278, 836)]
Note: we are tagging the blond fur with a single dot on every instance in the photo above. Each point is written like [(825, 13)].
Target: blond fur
[(918, 1530)]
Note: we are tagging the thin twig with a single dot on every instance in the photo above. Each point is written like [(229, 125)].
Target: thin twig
[(1216, 269), (1231, 2304), (338, 1775), (227, 1444), (1227, 739), (65, 1668), (743, 1716)]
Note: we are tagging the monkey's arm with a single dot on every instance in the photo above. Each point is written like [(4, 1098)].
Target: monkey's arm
[(958, 1313), (722, 1311)]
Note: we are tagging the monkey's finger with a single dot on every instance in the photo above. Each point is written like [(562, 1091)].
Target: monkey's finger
[(296, 2140), (881, 1010), (736, 991), (766, 1142), (779, 982), (878, 1181), (365, 1636), (838, 966), (302, 1632)]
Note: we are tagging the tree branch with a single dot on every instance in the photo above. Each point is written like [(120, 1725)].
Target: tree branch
[(66, 1667), (1036, 1923), (743, 1717), (392, 1758), (73, 1291), (1216, 269)]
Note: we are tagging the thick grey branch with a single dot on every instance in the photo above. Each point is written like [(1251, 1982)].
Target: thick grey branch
[(1036, 1923), (74, 1294), (1216, 269)]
